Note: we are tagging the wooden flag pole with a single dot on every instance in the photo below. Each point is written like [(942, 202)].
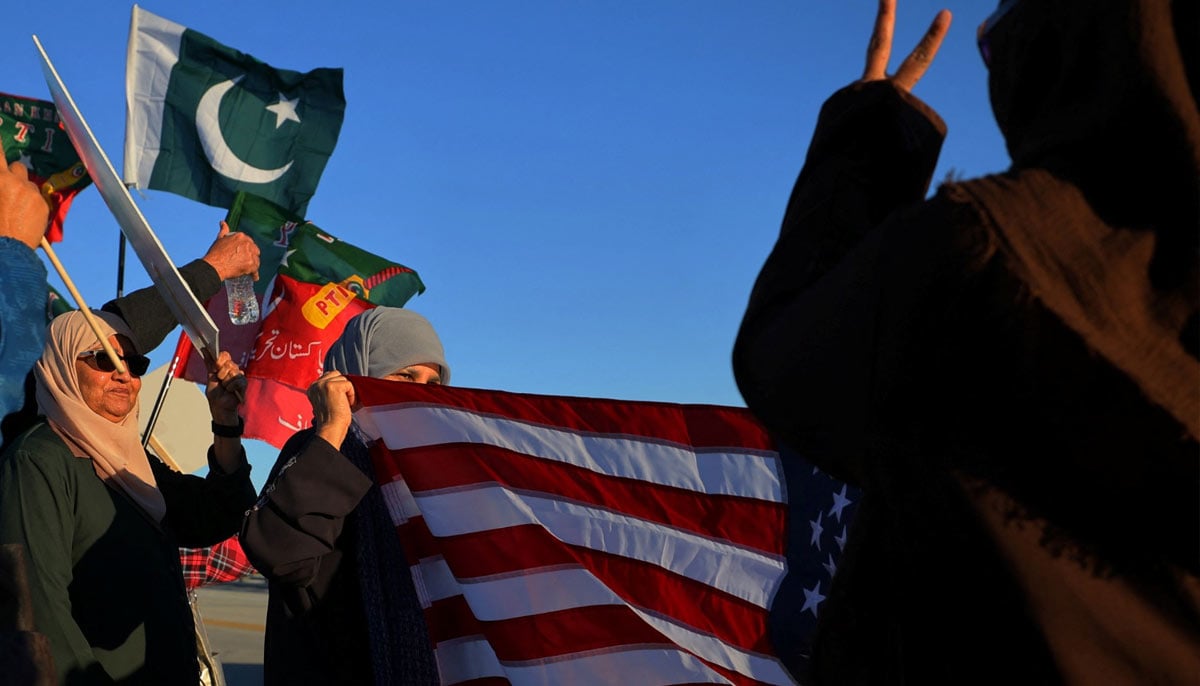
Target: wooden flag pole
[(161, 451), (87, 314)]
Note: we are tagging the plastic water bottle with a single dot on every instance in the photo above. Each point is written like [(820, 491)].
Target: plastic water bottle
[(243, 306)]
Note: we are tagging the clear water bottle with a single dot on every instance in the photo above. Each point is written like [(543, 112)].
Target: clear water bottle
[(243, 306)]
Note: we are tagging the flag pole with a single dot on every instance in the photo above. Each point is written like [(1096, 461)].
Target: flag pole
[(87, 314), (120, 263), (158, 402)]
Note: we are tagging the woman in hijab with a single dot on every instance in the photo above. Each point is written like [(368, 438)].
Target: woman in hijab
[(103, 522), (1010, 369), (342, 606)]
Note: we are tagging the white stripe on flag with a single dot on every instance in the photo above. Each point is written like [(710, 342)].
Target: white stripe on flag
[(151, 54), (462, 660), (400, 503), (759, 667), (747, 474), (622, 666), (510, 596), (737, 571)]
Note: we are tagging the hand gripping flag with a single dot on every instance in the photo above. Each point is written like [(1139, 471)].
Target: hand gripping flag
[(32, 136), (561, 540), (205, 121), (310, 284)]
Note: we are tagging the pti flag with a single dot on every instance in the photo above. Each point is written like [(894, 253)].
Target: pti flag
[(310, 284), (560, 540), (205, 121), (32, 136)]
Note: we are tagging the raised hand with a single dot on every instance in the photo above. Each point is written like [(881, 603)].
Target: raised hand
[(879, 51), (226, 386), (23, 211), (332, 398), (233, 254)]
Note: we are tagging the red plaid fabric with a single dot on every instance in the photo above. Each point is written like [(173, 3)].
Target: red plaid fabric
[(221, 563)]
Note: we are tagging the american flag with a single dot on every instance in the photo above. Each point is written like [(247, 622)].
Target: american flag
[(559, 540)]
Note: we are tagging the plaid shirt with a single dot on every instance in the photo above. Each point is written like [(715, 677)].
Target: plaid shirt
[(221, 563)]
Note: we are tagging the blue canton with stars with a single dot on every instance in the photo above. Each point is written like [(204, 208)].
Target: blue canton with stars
[(819, 512)]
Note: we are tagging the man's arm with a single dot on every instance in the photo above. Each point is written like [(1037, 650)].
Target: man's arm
[(230, 255), (23, 217)]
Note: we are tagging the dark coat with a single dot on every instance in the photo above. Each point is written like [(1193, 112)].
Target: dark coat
[(105, 582), (298, 536), (1008, 369)]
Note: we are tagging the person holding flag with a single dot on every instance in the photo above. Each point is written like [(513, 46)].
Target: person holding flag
[(342, 606), (150, 321), (102, 522)]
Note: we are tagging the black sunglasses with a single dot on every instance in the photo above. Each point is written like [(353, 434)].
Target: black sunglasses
[(981, 34), (99, 360)]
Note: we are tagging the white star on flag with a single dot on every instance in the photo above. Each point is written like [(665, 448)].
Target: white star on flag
[(841, 540), (840, 501), (830, 566), (812, 598), (284, 110), (817, 530)]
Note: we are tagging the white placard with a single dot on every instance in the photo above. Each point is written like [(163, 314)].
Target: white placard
[(179, 298)]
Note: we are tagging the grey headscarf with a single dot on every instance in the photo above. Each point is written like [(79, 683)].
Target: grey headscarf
[(383, 339)]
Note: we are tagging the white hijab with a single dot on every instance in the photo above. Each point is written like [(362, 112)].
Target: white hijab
[(114, 448)]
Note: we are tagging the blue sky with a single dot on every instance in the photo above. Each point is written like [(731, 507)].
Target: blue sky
[(586, 188)]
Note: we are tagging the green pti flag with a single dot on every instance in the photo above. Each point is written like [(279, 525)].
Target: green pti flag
[(304, 252), (32, 136), (205, 121)]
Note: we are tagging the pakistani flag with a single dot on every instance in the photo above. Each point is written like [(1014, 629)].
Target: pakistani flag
[(205, 121), (32, 136)]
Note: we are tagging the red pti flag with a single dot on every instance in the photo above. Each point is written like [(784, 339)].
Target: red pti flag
[(33, 136), (555, 539), (310, 285)]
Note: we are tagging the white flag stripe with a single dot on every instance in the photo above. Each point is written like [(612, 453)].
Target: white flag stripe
[(152, 51), (623, 666), (745, 474), (759, 667), (399, 500), (737, 571), (551, 590), (537, 592), (438, 580), (463, 659)]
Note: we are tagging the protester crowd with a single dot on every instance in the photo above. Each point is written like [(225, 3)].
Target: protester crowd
[(1008, 368)]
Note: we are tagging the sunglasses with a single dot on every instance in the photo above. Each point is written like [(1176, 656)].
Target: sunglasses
[(981, 34), (98, 360)]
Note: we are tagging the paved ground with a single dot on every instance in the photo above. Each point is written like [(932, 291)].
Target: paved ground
[(234, 615)]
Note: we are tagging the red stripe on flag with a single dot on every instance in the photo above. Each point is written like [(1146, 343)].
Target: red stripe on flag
[(558, 634), (701, 426), (742, 521), (529, 548)]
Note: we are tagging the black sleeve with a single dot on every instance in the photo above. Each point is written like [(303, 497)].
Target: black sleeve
[(147, 313), (292, 534), (806, 354), (203, 511)]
